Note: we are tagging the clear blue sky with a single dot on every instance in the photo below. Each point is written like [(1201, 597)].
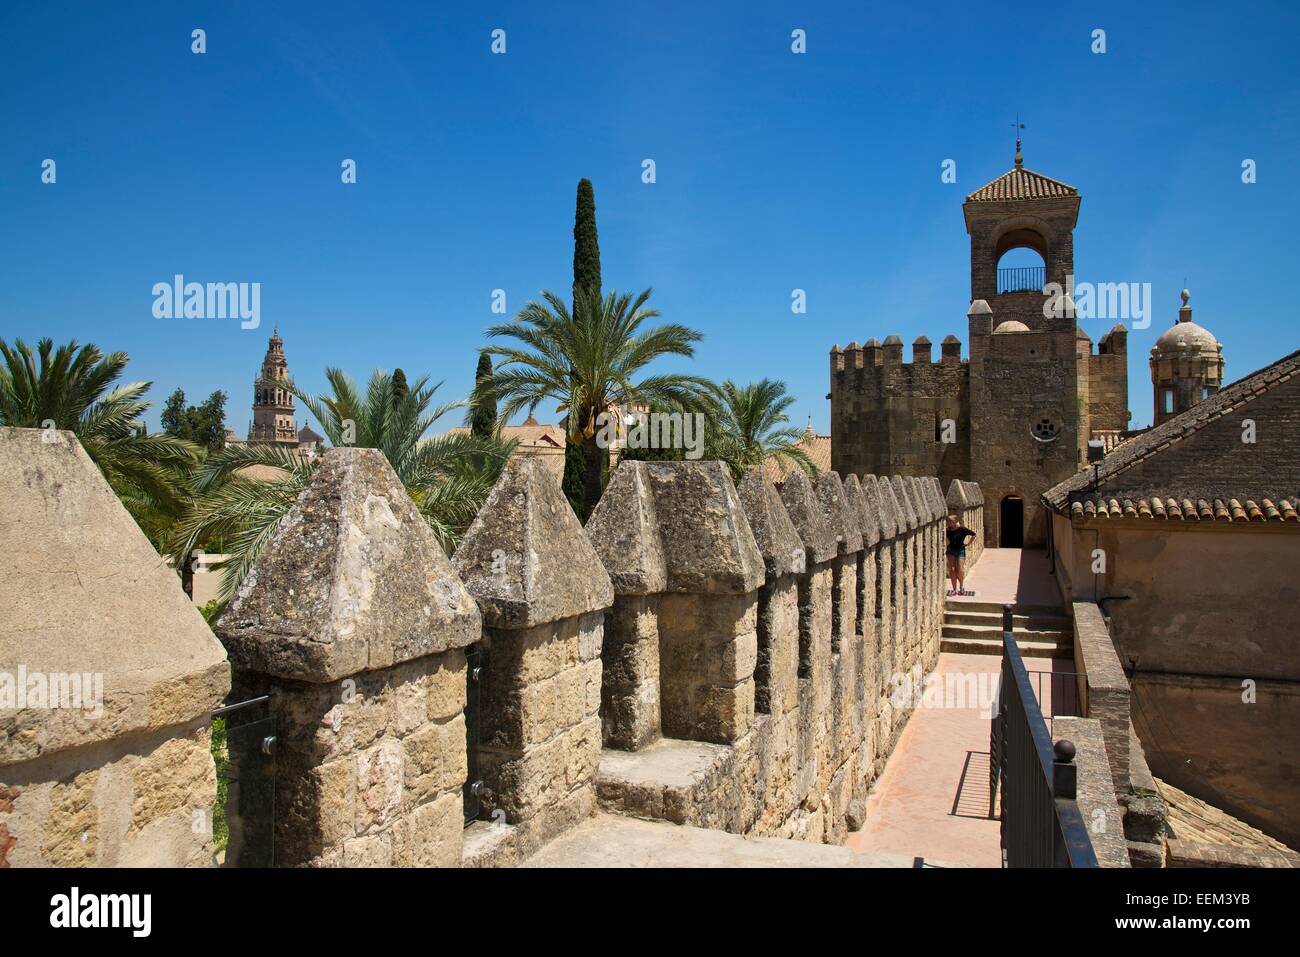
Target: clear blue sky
[(775, 171)]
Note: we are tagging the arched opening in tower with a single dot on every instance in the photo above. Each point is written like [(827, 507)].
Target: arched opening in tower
[(1022, 265)]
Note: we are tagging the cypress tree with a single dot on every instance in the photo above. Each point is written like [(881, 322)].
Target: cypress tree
[(586, 275), (483, 419), (400, 387), (575, 464), (586, 247)]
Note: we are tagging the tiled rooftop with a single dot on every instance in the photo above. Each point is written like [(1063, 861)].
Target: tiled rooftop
[(1021, 183), (1185, 510), (1091, 483), (1191, 819)]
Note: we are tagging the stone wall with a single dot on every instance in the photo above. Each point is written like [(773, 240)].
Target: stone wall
[(354, 622), (1095, 792), (783, 619), (1199, 614), (1103, 687), (108, 676), (543, 594), (888, 415), (699, 653)]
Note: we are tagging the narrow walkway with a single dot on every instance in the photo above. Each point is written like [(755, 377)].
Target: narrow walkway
[(609, 840), (932, 800), (1018, 576)]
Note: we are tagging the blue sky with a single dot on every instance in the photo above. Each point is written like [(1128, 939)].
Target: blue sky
[(775, 171)]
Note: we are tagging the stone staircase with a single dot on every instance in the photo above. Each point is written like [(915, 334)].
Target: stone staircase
[(975, 628)]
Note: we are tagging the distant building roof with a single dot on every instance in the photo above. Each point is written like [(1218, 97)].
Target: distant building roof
[(308, 434), (262, 473), (1011, 325), (1185, 336), (817, 447), (531, 435), (1186, 510)]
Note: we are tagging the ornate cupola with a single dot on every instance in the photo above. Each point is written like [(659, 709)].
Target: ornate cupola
[(1186, 365)]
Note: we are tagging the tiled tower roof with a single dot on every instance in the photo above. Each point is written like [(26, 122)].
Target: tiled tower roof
[(1021, 183)]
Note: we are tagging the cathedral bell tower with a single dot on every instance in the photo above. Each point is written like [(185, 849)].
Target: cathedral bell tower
[(273, 422)]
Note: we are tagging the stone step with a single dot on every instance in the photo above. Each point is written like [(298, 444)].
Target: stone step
[(967, 604), (994, 633), (1033, 622), (1028, 648)]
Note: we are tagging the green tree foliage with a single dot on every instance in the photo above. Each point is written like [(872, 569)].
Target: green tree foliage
[(586, 245), (483, 406), (589, 362), (752, 427), (72, 387), (204, 425), (447, 476)]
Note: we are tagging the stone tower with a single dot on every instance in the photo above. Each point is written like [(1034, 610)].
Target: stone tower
[(1028, 423), (1016, 416), (1186, 365), (273, 422)]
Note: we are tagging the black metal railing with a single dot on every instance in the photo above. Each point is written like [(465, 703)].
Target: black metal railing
[(243, 750), (1041, 824), (1022, 279), (1057, 694)]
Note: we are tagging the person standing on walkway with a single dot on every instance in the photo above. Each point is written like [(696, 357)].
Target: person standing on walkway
[(958, 536)]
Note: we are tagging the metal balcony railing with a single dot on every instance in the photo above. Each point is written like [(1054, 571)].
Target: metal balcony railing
[(1022, 279)]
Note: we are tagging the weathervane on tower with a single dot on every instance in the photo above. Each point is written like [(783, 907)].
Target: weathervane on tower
[(1018, 126)]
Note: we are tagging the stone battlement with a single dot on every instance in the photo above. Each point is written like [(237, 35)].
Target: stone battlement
[(699, 653), (874, 354)]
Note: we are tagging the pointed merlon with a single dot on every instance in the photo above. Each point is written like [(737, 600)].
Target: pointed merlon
[(778, 540), (840, 518), (806, 514), (352, 579), (526, 559)]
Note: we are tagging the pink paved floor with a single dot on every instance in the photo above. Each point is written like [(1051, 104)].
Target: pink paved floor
[(932, 799), (1012, 575), (915, 808)]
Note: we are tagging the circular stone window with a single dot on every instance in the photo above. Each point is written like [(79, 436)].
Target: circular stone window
[(1045, 428)]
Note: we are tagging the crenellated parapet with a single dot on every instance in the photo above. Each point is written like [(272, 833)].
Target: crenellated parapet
[(874, 358), (699, 653), (891, 415)]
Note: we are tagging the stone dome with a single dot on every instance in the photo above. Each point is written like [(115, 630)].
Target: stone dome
[(1011, 325), (1186, 336)]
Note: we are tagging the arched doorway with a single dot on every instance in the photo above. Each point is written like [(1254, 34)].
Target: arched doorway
[(1011, 522)]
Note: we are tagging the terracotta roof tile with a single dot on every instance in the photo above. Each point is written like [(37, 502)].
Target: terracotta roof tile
[(1191, 819), (818, 448), (1153, 509), (1021, 183)]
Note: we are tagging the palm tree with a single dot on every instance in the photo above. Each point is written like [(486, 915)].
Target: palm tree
[(69, 388), (588, 362), (752, 427), (447, 476)]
